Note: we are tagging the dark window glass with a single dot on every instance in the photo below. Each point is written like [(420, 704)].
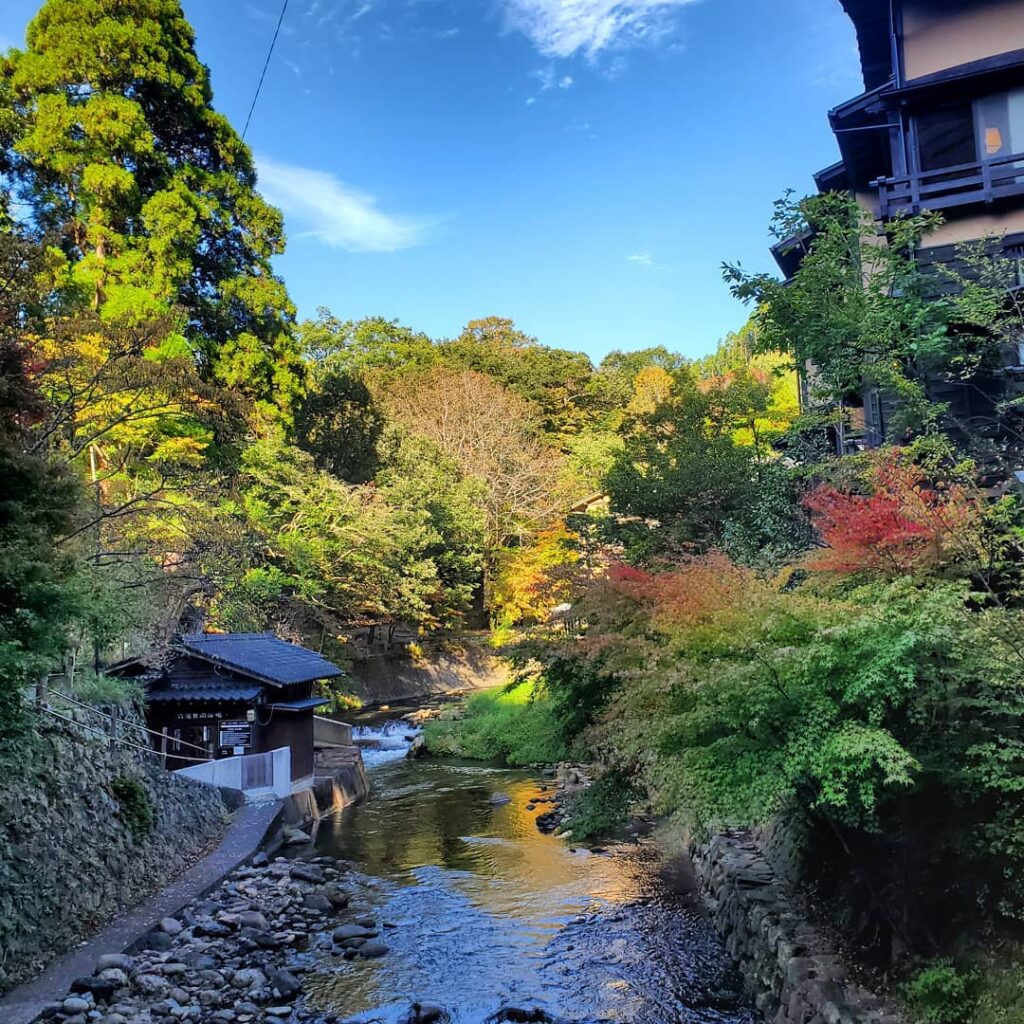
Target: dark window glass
[(945, 137)]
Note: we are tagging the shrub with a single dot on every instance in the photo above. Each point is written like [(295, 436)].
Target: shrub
[(940, 994), (601, 808), (107, 691), (135, 803)]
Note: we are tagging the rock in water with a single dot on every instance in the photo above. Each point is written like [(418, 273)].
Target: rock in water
[(317, 901), (500, 799), (285, 982), (295, 836), (307, 872), (427, 1013)]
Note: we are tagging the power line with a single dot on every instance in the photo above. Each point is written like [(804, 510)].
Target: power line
[(263, 73)]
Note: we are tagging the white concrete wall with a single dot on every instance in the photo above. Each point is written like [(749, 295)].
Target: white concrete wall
[(227, 773)]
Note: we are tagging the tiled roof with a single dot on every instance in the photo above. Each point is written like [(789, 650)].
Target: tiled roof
[(261, 656), (206, 694)]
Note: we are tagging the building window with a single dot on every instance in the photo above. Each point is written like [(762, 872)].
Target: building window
[(1001, 124), (945, 136)]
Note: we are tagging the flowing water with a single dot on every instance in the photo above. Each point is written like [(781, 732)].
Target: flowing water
[(492, 920)]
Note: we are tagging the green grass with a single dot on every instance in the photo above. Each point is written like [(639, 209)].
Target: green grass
[(1001, 986), (515, 726)]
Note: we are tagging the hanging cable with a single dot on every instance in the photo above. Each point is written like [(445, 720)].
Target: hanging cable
[(263, 73)]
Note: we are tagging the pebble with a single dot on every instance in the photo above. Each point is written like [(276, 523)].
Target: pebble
[(235, 956)]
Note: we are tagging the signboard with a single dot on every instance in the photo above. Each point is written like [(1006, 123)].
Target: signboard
[(198, 716), (236, 735)]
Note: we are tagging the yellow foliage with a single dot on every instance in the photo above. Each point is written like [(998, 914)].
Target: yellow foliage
[(533, 579)]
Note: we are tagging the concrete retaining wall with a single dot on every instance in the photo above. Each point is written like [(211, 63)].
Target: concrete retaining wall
[(340, 780), (786, 963), (386, 679)]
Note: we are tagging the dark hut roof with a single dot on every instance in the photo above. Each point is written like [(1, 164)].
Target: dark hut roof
[(261, 656)]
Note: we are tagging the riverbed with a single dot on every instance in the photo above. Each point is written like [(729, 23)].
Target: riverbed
[(492, 920)]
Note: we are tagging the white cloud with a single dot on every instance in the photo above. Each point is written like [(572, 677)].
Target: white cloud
[(560, 28), (268, 18), (342, 217), (647, 260), (547, 79)]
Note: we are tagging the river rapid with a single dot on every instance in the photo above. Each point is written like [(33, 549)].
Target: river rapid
[(492, 920)]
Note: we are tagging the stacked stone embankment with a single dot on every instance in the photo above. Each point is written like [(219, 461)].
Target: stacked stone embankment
[(787, 964), (88, 828)]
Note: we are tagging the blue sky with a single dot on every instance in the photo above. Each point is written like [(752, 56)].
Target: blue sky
[(582, 166)]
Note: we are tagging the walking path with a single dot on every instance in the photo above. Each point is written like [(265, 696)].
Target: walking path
[(250, 827)]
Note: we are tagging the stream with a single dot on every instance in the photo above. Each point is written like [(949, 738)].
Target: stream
[(492, 920)]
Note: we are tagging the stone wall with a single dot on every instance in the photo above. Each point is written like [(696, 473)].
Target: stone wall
[(786, 963), (386, 679), (73, 853)]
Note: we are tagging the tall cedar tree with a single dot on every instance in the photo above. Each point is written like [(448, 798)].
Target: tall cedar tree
[(111, 140), (37, 503)]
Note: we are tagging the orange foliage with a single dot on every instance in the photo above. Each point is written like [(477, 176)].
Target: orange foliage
[(698, 591)]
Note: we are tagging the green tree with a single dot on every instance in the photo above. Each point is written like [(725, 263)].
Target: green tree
[(861, 311), (375, 346), (339, 424), (417, 476), (116, 149), (553, 380)]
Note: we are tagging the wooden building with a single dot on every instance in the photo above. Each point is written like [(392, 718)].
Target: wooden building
[(939, 126), (235, 693)]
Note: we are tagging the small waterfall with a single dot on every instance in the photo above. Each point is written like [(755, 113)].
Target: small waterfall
[(384, 741)]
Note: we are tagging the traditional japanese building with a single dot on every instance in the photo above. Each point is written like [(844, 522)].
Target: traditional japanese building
[(235, 693), (939, 126)]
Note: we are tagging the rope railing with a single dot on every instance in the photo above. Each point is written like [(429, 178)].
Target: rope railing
[(115, 739)]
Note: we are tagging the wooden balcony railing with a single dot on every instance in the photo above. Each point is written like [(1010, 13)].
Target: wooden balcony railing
[(981, 182)]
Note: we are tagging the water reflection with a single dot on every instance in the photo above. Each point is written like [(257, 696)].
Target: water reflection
[(482, 911)]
